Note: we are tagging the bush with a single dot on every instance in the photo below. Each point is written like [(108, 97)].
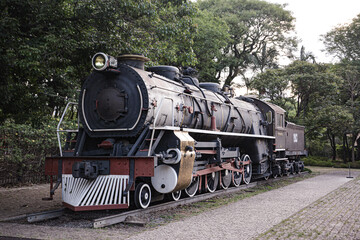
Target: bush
[(23, 149), (346, 165), (319, 147), (318, 161), (326, 162)]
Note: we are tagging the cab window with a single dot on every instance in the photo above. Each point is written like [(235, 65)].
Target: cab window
[(280, 120), (269, 117)]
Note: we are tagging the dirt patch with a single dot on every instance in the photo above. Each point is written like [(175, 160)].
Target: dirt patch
[(28, 199)]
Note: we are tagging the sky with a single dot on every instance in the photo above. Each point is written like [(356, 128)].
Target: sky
[(317, 17)]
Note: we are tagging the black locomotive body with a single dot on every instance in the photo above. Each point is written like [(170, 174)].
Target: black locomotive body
[(148, 134)]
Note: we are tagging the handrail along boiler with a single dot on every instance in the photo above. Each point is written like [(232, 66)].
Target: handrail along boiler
[(146, 135)]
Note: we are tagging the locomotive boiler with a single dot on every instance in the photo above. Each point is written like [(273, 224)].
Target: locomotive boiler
[(147, 134)]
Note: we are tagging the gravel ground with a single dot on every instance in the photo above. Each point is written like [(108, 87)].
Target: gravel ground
[(297, 205)]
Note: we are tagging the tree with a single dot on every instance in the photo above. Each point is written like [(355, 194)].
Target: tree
[(311, 85), (211, 37), (271, 84), (330, 120), (254, 27), (46, 46), (343, 41), (350, 93)]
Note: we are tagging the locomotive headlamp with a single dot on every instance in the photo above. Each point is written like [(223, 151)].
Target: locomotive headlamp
[(101, 61)]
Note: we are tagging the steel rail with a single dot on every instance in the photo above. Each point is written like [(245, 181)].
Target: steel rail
[(38, 216), (41, 216)]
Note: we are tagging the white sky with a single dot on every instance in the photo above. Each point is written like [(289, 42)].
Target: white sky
[(317, 17)]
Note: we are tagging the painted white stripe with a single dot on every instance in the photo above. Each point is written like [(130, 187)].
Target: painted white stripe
[(104, 190), (191, 130)]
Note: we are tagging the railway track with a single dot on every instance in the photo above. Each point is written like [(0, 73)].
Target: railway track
[(129, 216)]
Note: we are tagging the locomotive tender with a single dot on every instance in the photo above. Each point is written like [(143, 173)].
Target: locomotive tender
[(148, 134)]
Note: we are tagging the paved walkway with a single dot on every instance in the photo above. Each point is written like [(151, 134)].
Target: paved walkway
[(248, 218), (334, 216)]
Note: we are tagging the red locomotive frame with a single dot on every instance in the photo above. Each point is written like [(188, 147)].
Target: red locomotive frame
[(143, 167)]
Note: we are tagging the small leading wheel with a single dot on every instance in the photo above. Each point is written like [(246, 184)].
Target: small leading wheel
[(176, 195), (212, 181), (236, 179), (247, 169), (267, 177), (142, 195), (226, 177), (193, 187)]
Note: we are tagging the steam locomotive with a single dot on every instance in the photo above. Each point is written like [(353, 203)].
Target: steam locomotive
[(146, 135)]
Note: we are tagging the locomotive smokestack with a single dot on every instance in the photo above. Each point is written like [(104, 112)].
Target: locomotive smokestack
[(134, 60)]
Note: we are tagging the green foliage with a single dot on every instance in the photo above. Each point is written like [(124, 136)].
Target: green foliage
[(259, 32), (343, 41), (171, 33), (46, 48), (23, 149), (271, 84), (319, 146), (317, 161), (325, 162), (312, 84), (211, 37)]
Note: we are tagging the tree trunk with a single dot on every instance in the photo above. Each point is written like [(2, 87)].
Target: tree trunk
[(333, 146), (344, 149), (347, 149), (233, 73), (331, 137), (298, 107), (358, 150)]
